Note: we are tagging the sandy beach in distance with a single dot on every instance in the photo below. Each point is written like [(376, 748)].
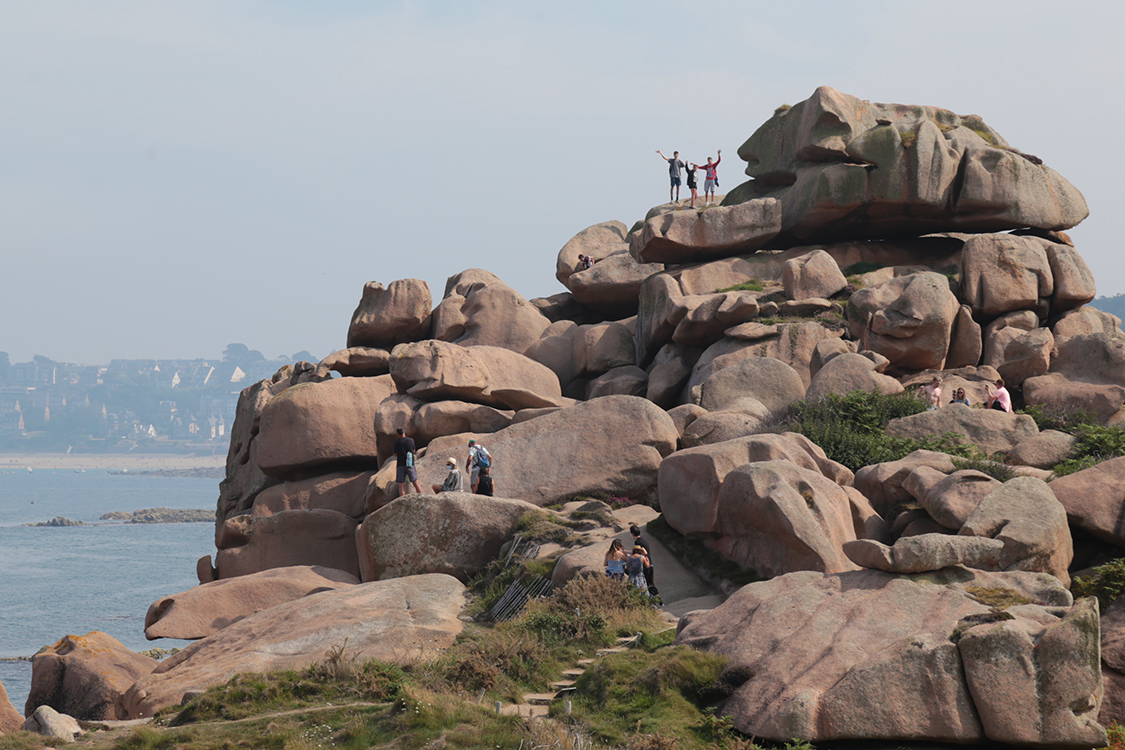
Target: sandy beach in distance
[(111, 462)]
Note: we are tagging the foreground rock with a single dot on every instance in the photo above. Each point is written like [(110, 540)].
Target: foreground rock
[(85, 676), (50, 723), (1094, 499), (394, 621), (878, 656), (989, 429), (207, 609), (844, 167), (454, 533), (580, 450), (10, 719)]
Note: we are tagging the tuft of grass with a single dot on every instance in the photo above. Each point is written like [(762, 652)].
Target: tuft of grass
[(994, 469), (753, 285), (862, 267), (1107, 582), (998, 597)]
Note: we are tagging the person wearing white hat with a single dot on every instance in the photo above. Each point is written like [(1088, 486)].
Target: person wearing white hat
[(454, 480)]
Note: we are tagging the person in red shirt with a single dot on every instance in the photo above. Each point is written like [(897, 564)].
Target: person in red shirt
[(710, 177)]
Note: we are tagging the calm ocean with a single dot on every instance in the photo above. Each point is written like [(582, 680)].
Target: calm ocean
[(60, 581)]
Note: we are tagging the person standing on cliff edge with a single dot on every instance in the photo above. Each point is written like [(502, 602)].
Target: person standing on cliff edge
[(674, 167), (404, 463), (711, 178)]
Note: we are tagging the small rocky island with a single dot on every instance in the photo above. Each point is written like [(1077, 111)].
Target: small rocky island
[(163, 515), (57, 522)]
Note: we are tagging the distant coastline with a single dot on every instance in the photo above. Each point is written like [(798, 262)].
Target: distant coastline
[(159, 463)]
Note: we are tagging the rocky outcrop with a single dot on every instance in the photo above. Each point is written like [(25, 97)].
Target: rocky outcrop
[(812, 275), (883, 656), (1094, 499), (250, 544), (882, 484), (481, 310), (925, 552), (849, 372), (580, 450), (1044, 450), (455, 533), (205, 610), (391, 315), (909, 320), (949, 499), (843, 167), (86, 676), (696, 235), (393, 621), (613, 282), (358, 362), (772, 383), (990, 429)]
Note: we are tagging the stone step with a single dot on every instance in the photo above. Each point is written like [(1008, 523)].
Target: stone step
[(585, 662), (525, 710), (573, 674), (614, 650), (560, 685), (539, 699), (626, 639)]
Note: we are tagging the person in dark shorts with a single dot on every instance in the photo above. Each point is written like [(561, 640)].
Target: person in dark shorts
[(692, 185), (404, 465), (484, 482), (711, 178), (674, 167), (640, 542)]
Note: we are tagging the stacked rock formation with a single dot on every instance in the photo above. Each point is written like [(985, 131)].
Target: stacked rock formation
[(875, 246)]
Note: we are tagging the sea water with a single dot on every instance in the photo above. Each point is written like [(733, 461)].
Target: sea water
[(71, 580)]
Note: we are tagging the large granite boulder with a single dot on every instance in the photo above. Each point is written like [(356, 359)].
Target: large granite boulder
[(791, 343), (610, 445), (455, 533), (691, 480), (438, 371), (1044, 450), (250, 544), (86, 676), (909, 320), (775, 517), (949, 499), (669, 370), (1061, 395), (991, 429), (749, 418), (1018, 354), (341, 491), (391, 315), (772, 382), (880, 656), (10, 719), (1004, 272), (698, 235), (207, 609), (325, 424), (925, 552), (882, 484), (481, 310), (614, 281), (244, 479), (812, 275), (1094, 499), (357, 361), (847, 372), (598, 241), (1085, 320), (397, 621), (628, 380), (844, 167), (1024, 514)]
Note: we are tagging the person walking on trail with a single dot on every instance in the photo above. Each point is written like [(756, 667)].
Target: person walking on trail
[(692, 185), (479, 457), (674, 167), (711, 178), (639, 541), (404, 463), (454, 480)]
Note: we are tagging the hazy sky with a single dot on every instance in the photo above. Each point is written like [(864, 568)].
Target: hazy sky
[(178, 176)]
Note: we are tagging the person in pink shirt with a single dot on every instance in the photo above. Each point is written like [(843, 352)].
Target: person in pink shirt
[(1000, 399), (710, 177)]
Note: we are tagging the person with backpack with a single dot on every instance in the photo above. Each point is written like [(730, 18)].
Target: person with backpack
[(711, 178), (404, 463), (479, 457)]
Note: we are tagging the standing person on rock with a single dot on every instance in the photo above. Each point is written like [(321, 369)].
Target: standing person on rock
[(711, 178), (638, 541), (404, 463), (635, 568), (454, 480), (692, 185), (479, 457), (674, 167), (932, 393)]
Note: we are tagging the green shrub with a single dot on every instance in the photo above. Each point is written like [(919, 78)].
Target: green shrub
[(1106, 583), (864, 266), (1095, 444), (753, 285), (994, 469), (1066, 420)]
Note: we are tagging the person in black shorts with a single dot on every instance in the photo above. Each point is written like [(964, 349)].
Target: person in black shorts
[(674, 167), (691, 183), (404, 465)]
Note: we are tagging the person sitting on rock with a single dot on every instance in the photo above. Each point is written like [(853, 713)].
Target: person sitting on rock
[(615, 560), (484, 482), (454, 480), (932, 393), (959, 397), (635, 568), (585, 261), (479, 457), (1000, 399)]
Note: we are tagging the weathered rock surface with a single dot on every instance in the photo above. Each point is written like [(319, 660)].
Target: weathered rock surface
[(244, 478), (925, 552), (48, 722), (1060, 394), (873, 655), (395, 621), (10, 719), (1044, 450), (1094, 499), (774, 517), (436, 371), (882, 484), (207, 609), (1025, 515), (949, 500), (85, 676), (1085, 320), (717, 426), (613, 283), (481, 310), (573, 451), (847, 372), (691, 479), (793, 344), (844, 167), (598, 241), (390, 315), (990, 429), (321, 424), (250, 544), (341, 491), (358, 361), (628, 380), (909, 320), (455, 533), (812, 275), (1004, 272), (771, 382), (693, 236)]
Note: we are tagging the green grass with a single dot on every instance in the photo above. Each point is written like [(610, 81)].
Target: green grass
[(753, 285), (1095, 444), (1066, 420), (1106, 583), (994, 469), (862, 267)]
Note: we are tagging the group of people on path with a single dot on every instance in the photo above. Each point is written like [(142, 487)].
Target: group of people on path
[(478, 464), (710, 177), (634, 566), (999, 399)]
